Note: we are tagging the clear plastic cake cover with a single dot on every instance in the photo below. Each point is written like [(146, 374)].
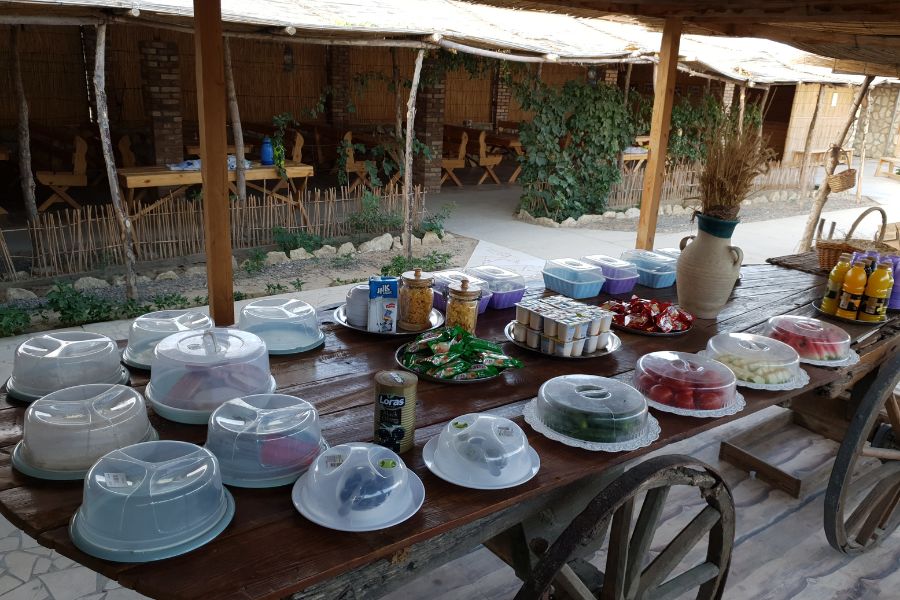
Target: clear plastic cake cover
[(61, 359), (67, 431), (614, 268), (814, 340), (592, 408), (756, 359), (150, 501), (195, 372), (497, 279), (358, 487), (147, 331), (573, 270), (265, 440), (286, 325), (685, 381), (482, 451)]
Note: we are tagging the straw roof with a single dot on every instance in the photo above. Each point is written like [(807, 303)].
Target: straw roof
[(538, 34)]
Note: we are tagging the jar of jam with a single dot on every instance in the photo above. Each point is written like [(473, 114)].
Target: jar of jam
[(416, 300), (462, 305)]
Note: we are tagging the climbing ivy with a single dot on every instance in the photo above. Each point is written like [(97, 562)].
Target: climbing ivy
[(571, 146), (281, 122)]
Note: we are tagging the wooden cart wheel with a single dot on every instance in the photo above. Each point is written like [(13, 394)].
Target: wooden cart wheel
[(869, 497), (626, 576)]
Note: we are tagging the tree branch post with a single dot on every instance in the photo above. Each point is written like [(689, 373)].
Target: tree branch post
[(831, 164), (867, 104), (408, 153), (807, 146), (115, 194), (26, 177), (398, 98), (237, 130)]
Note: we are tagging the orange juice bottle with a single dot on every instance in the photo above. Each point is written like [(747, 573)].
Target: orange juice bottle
[(852, 291), (878, 289), (835, 283)]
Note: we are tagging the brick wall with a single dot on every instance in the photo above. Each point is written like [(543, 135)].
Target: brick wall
[(502, 94), (338, 62), (161, 74), (429, 129)]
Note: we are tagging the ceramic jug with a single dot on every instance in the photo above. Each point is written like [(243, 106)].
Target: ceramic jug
[(708, 268)]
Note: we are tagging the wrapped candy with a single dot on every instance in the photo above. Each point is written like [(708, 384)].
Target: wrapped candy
[(654, 316)]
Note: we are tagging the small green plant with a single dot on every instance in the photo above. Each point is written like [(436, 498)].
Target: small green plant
[(76, 307), (13, 320), (433, 261), (255, 261), (292, 240), (339, 281), (200, 300), (435, 222), (344, 261), (281, 122), (238, 296), (373, 218), (170, 301), (297, 284), (132, 308), (275, 288)]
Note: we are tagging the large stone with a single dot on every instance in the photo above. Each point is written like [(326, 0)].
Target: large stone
[(348, 248), (119, 280), (632, 213), (430, 238), (569, 222), (546, 222), (677, 209), (201, 270), (589, 219), (276, 257), (167, 276), (398, 243), (142, 279), (415, 241), (448, 237), (13, 294), (90, 283), (325, 251), (300, 254), (610, 214), (748, 202), (524, 215), (620, 215), (382, 243)]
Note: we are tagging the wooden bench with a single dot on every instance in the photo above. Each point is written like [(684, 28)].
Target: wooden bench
[(61, 181), (457, 161), (892, 163)]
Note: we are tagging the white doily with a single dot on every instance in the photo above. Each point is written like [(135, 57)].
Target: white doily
[(733, 408), (650, 435), (851, 359)]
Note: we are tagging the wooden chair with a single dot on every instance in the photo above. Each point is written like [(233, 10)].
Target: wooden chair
[(61, 181), (457, 161), (126, 155), (485, 160), (626, 576), (892, 163), (354, 167)]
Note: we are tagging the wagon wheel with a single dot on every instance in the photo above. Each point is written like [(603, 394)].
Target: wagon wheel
[(626, 576), (870, 498)]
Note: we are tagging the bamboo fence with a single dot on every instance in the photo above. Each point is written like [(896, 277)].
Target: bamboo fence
[(75, 241)]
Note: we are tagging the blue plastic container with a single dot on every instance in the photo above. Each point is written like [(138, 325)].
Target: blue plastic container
[(267, 152), (573, 278), (654, 270)]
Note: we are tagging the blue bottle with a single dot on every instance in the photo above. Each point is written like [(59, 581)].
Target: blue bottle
[(266, 152)]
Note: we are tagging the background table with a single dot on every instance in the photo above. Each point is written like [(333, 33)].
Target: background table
[(270, 551)]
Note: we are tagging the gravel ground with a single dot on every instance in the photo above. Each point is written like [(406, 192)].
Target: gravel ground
[(755, 212)]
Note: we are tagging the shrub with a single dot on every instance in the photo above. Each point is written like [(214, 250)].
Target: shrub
[(435, 222), (433, 261), (292, 240), (255, 261), (372, 218), (13, 320), (76, 307)]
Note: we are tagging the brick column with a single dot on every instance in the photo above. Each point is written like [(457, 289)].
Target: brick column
[(728, 95), (161, 72), (339, 82), (501, 95), (611, 76), (429, 128)]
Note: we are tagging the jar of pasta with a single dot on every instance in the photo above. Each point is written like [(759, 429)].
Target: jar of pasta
[(416, 300), (462, 305)]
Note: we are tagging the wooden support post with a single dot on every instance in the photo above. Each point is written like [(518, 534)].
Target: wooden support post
[(830, 165), (398, 97), (742, 107), (807, 146), (209, 59), (236, 129), (26, 177), (125, 229), (862, 153), (408, 153), (627, 81), (660, 124)]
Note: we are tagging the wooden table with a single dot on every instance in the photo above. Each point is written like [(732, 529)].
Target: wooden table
[(269, 551), (134, 178), (817, 157), (194, 150), (509, 142)]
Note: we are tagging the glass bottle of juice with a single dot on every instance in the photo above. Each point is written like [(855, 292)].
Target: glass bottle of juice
[(878, 290), (852, 291), (835, 283)]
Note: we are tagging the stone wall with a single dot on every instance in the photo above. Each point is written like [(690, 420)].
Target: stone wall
[(885, 120)]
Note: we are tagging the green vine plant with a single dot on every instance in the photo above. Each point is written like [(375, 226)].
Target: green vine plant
[(571, 146), (281, 122)]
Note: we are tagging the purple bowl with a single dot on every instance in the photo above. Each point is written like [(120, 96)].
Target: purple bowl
[(620, 286), (507, 299), (440, 302)]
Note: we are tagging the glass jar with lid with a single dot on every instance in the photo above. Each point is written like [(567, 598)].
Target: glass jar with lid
[(416, 300), (462, 305)]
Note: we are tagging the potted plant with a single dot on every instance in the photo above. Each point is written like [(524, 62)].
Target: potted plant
[(709, 265)]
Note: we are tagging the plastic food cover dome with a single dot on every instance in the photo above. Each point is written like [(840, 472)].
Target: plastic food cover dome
[(67, 431), (195, 372), (358, 487), (147, 331), (151, 501), (685, 381), (755, 359), (61, 359), (484, 451), (812, 339), (286, 325), (264, 440), (592, 408)]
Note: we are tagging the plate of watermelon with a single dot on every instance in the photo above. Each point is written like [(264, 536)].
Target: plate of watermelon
[(817, 342)]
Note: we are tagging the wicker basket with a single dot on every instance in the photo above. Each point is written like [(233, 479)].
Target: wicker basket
[(830, 251), (843, 181)]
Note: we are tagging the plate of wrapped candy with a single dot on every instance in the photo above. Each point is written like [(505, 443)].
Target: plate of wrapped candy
[(453, 355), (649, 317)]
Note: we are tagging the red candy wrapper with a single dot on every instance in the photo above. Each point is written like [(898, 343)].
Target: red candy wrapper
[(649, 315)]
